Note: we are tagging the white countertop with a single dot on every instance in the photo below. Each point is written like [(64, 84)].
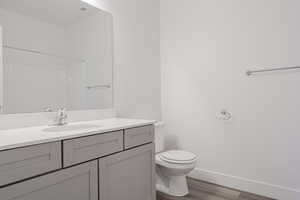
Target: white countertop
[(15, 138)]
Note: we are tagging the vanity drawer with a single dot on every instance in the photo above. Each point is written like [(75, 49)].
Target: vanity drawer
[(138, 136), (91, 147), (22, 163)]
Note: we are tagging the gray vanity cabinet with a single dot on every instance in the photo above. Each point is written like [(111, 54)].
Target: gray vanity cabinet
[(75, 183), (116, 165), (128, 175)]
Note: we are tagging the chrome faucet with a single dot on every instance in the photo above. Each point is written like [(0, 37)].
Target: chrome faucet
[(61, 117)]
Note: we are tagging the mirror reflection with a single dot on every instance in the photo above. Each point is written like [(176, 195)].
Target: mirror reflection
[(55, 53)]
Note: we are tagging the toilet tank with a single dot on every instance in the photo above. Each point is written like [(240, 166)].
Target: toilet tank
[(159, 137)]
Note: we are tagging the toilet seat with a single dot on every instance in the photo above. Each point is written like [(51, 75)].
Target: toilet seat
[(178, 157)]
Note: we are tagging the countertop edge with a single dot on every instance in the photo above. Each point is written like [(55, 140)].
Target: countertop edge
[(76, 135)]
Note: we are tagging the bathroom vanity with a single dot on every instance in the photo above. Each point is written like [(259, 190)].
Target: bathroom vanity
[(110, 159)]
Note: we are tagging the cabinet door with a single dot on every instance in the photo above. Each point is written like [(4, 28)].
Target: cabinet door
[(128, 175), (75, 183)]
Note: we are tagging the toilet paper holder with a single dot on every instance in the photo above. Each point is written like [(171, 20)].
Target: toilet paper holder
[(224, 115)]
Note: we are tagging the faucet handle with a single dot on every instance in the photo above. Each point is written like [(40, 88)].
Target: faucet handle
[(61, 117), (62, 112), (48, 109)]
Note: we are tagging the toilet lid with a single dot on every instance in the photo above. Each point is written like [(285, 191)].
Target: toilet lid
[(176, 156)]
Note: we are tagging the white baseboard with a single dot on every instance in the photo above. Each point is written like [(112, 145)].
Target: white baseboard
[(247, 185)]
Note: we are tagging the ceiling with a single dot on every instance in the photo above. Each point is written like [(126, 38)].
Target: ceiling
[(61, 12)]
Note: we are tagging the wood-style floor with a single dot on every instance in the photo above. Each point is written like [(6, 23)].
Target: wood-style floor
[(205, 191)]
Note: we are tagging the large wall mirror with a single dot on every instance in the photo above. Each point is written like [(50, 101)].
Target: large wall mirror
[(53, 54)]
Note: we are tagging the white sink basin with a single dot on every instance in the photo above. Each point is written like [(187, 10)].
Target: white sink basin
[(75, 127)]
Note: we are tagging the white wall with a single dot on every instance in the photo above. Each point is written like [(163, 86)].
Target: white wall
[(206, 47)]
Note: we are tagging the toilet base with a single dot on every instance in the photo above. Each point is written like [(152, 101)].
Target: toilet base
[(172, 185)]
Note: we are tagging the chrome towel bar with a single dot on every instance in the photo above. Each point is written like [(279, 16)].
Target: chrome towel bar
[(251, 72), (98, 86)]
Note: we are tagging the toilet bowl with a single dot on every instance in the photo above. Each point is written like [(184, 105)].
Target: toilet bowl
[(172, 168)]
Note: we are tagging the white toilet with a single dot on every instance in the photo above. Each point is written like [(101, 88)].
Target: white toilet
[(172, 168)]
